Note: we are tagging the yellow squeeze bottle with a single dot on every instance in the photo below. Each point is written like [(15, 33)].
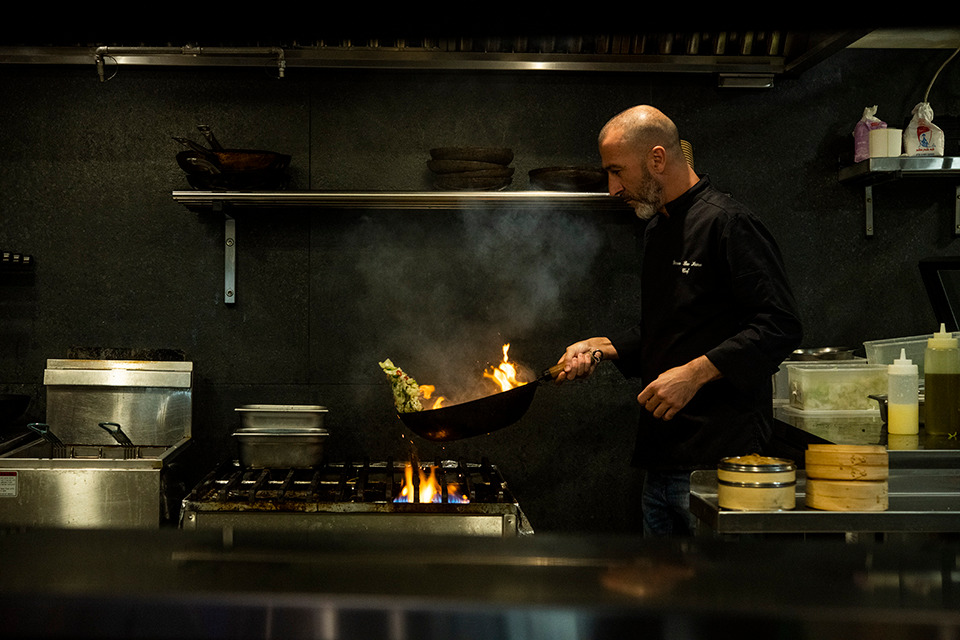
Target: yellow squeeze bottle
[(903, 404)]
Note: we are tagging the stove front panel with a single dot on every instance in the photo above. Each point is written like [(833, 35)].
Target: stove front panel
[(510, 523)]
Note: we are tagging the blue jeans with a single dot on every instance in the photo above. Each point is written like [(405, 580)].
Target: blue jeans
[(666, 504)]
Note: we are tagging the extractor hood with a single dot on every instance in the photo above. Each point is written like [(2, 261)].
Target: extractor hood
[(736, 57)]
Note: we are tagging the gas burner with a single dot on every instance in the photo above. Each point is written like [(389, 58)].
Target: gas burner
[(468, 499)]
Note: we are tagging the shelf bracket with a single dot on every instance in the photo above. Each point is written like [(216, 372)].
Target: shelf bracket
[(868, 209), (956, 212), (229, 260)]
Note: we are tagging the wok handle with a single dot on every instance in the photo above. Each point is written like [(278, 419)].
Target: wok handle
[(211, 139), (193, 146), (555, 370), (552, 372)]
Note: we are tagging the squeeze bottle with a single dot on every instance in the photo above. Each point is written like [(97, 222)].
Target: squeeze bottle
[(941, 375), (903, 398)]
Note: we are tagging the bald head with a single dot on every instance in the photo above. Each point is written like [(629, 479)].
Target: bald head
[(642, 128), (640, 151)]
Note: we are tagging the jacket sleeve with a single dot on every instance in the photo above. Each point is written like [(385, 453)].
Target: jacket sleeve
[(627, 344), (771, 326)]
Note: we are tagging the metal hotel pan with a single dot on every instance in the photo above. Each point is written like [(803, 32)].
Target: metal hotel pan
[(281, 448), (476, 417)]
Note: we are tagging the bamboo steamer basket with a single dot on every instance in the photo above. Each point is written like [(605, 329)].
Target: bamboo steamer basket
[(847, 495), (847, 477), (847, 462), (756, 483)]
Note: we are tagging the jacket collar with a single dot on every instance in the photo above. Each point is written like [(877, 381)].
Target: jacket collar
[(679, 206)]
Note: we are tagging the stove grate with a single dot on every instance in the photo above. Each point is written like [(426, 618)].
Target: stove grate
[(341, 483)]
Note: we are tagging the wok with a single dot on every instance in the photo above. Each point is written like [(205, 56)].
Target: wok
[(219, 168), (198, 159), (476, 417)]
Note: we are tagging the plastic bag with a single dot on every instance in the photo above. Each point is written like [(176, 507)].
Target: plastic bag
[(861, 133), (922, 137)]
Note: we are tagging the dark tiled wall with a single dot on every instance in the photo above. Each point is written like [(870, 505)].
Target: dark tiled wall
[(88, 170)]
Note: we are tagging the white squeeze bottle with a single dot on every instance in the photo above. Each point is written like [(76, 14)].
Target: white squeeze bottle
[(903, 403)]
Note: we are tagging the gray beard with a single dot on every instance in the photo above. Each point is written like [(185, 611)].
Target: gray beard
[(645, 210), (648, 203)]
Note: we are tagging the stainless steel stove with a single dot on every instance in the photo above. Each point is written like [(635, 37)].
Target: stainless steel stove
[(366, 497)]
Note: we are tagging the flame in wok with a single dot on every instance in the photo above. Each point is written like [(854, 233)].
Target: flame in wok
[(504, 374), (426, 391)]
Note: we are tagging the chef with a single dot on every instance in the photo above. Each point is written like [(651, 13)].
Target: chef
[(717, 317)]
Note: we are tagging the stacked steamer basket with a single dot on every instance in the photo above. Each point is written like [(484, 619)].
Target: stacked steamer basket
[(756, 483), (847, 477), (471, 168)]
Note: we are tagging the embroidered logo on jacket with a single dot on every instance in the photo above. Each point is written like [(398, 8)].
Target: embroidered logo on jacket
[(686, 265)]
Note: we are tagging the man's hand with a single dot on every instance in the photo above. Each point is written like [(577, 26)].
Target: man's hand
[(674, 388), (581, 358)]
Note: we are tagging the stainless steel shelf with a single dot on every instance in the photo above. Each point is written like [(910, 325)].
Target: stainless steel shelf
[(920, 501), (880, 168), (406, 200), (229, 202), (874, 171)]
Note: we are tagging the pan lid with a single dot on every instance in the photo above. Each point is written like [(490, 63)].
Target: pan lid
[(282, 408), (757, 464)]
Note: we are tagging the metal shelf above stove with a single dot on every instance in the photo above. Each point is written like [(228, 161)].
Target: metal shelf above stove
[(222, 201), (227, 203)]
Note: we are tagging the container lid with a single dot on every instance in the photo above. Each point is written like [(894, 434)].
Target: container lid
[(903, 366), (757, 463), (823, 353), (282, 408), (942, 339)]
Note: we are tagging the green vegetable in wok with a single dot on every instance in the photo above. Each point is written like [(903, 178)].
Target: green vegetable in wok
[(406, 391)]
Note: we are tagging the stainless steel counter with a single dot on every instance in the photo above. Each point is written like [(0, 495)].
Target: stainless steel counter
[(177, 584), (920, 501)]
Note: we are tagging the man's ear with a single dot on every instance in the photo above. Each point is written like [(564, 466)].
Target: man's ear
[(657, 159)]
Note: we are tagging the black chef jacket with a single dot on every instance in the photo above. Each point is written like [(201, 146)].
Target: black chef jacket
[(713, 283)]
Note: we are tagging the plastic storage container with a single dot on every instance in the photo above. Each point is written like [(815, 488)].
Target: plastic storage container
[(836, 387), (842, 427), (888, 350), (942, 384), (903, 397)]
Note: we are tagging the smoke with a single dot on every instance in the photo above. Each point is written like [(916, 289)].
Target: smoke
[(530, 259), (450, 289)]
